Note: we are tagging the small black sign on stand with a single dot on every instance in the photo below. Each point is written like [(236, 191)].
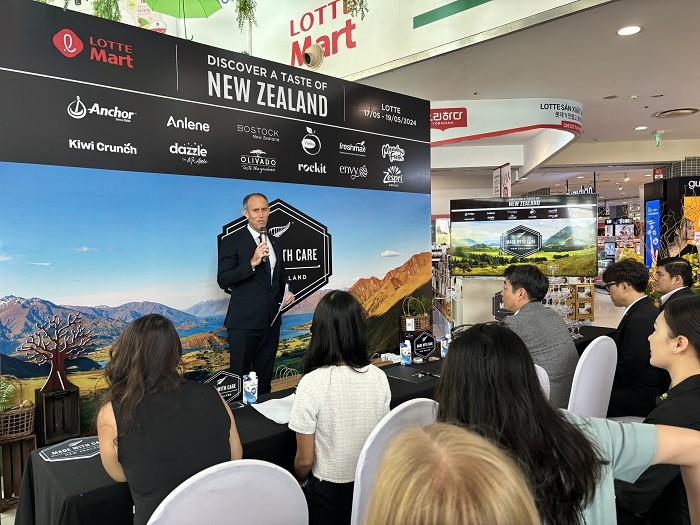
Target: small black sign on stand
[(498, 309), (57, 415), (228, 385)]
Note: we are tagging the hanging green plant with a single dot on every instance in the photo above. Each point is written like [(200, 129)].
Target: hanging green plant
[(245, 13), (356, 7), (108, 9)]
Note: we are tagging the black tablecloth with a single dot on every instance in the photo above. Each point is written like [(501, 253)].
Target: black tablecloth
[(80, 491), (589, 333)]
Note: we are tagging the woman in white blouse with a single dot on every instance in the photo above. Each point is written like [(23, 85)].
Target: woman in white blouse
[(338, 403)]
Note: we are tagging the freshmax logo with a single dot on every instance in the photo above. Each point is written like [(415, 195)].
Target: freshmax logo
[(359, 149), (78, 110), (393, 177), (311, 144), (192, 153), (68, 43), (395, 153), (259, 133), (316, 167)]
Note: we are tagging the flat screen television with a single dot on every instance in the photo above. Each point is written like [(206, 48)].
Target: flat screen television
[(652, 226), (558, 234), (610, 249)]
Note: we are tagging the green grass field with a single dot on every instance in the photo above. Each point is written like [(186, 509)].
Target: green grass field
[(475, 262)]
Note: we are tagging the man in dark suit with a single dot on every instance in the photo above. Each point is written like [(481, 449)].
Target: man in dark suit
[(673, 279), (636, 382), (252, 271)]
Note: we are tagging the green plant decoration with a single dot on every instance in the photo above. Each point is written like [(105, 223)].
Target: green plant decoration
[(108, 9), (7, 394), (245, 13), (419, 306), (356, 7)]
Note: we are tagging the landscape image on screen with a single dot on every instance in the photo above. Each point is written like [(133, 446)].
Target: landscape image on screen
[(558, 234)]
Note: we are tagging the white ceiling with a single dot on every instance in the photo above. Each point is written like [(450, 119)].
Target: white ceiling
[(580, 57)]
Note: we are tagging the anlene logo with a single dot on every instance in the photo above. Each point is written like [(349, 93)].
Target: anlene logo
[(101, 50)]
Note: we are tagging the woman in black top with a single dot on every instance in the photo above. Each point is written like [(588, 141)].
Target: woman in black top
[(659, 494), (155, 429)]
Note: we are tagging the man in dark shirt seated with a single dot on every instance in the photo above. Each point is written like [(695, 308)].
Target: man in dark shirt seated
[(636, 382)]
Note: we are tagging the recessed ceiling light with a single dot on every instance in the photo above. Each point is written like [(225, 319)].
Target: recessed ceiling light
[(634, 97), (648, 175), (579, 177), (640, 128), (675, 113), (629, 30)]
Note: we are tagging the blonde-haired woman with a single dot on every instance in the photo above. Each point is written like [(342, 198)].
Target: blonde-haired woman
[(446, 474)]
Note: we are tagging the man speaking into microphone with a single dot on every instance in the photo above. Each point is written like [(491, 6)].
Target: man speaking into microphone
[(251, 270)]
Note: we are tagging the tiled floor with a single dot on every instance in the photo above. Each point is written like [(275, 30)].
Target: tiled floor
[(606, 314)]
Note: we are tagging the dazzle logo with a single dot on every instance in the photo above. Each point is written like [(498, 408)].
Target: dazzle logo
[(68, 43)]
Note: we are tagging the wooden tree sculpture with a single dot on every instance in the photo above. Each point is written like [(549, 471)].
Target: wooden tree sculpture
[(54, 342)]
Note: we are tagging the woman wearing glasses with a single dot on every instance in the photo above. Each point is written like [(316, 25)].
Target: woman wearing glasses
[(659, 493), (489, 384)]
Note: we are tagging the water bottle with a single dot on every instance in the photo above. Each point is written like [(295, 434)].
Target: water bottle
[(250, 388), (445, 345), (405, 351)]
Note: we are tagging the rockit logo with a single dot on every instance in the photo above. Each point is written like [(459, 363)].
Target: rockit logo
[(68, 43), (78, 110), (316, 167), (311, 143)]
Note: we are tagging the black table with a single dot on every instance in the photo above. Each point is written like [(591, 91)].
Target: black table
[(589, 333), (80, 492)]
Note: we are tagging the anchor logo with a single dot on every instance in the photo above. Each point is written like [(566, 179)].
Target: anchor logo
[(77, 109)]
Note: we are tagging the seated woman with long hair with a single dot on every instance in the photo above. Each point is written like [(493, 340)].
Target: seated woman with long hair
[(659, 493), (489, 384), (338, 402), (443, 474), (156, 429)]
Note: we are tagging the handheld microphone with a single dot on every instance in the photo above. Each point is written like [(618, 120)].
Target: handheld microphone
[(263, 238)]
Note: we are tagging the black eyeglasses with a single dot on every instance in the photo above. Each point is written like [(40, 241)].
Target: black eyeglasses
[(611, 283)]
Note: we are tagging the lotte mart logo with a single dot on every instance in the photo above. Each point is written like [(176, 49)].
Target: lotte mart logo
[(68, 43)]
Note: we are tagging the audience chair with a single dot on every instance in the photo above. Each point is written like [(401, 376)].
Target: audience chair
[(246, 491), (414, 413), (543, 376), (593, 378)]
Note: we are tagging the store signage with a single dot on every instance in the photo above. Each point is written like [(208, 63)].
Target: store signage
[(306, 247), (424, 345), (445, 118), (521, 241)]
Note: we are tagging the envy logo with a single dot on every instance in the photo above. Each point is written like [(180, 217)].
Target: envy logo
[(68, 43)]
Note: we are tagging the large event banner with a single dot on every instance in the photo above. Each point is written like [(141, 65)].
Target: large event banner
[(124, 156)]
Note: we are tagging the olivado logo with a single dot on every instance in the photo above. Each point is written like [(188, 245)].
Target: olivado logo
[(311, 143)]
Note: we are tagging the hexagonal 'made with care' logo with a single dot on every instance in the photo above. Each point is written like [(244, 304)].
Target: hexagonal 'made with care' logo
[(521, 241), (306, 247)]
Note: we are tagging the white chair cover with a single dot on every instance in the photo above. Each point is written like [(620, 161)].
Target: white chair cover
[(593, 378), (247, 491), (414, 413), (543, 376)]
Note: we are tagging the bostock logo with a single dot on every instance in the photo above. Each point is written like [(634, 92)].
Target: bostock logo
[(393, 177), (77, 109), (259, 133), (92, 145), (354, 171), (358, 149), (257, 160), (104, 50), (191, 153), (311, 144), (395, 153)]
